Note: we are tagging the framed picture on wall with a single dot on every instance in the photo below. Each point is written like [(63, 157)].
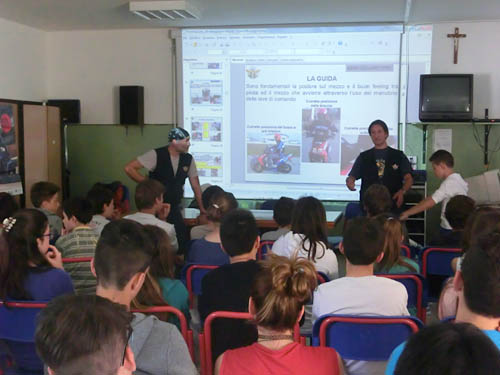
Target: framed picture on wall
[(10, 179)]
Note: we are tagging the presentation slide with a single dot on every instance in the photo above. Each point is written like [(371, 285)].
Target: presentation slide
[(284, 111)]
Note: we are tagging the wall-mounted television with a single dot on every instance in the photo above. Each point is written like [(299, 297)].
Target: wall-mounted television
[(446, 97)]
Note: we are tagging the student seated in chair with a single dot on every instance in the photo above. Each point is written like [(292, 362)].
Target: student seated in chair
[(278, 294), (85, 335), (103, 206), (477, 282), (79, 240), (449, 348), (360, 292), (152, 211), (208, 250), (228, 287), (457, 211), (30, 270), (282, 215), (45, 198), (122, 258)]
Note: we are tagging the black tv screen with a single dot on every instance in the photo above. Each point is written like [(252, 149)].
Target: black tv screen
[(446, 97)]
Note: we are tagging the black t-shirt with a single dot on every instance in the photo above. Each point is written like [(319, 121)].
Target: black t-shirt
[(380, 158), (228, 288)]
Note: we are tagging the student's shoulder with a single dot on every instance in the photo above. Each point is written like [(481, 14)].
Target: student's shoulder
[(150, 326), (65, 240), (396, 288), (329, 286)]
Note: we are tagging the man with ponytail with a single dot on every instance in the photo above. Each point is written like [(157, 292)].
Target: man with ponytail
[(477, 282)]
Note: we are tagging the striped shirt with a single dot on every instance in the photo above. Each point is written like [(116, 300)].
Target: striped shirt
[(81, 242)]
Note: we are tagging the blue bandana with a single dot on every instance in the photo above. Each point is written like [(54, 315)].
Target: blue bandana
[(177, 133)]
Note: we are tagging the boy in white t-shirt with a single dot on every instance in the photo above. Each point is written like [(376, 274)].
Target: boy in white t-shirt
[(360, 292), (453, 184)]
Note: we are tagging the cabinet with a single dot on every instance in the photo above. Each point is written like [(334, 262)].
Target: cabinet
[(42, 146)]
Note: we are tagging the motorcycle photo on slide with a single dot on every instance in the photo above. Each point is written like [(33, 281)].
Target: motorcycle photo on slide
[(273, 158), (268, 161), (320, 148)]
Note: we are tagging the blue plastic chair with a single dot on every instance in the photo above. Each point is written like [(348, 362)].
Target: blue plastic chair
[(264, 247), (366, 338), (352, 210), (415, 287), (17, 329), (437, 261), (268, 205), (192, 276)]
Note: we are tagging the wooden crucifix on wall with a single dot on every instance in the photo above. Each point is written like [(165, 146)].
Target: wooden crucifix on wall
[(456, 36)]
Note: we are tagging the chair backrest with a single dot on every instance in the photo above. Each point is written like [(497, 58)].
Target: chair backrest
[(414, 284), (76, 260), (352, 210), (17, 328), (367, 338), (405, 251), (268, 205), (194, 276), (18, 320), (437, 261), (186, 332), (264, 247), (205, 338), (322, 278)]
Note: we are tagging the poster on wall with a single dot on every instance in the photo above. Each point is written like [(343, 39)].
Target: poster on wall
[(10, 179)]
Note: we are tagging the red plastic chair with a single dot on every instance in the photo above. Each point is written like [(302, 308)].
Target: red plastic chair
[(194, 275), (437, 261), (405, 251), (186, 332), (264, 248), (322, 278), (205, 338), (414, 285), (364, 338), (76, 260)]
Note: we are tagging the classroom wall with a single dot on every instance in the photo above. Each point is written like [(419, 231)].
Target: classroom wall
[(22, 62), (478, 54), (91, 65)]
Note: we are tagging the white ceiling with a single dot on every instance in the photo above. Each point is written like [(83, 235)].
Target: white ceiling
[(114, 14)]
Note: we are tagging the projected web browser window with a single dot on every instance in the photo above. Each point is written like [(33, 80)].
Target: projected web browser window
[(285, 111)]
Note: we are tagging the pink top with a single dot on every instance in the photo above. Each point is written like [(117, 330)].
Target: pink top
[(291, 359)]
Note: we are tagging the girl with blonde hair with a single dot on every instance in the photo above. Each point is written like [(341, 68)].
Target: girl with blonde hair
[(279, 292), (393, 261)]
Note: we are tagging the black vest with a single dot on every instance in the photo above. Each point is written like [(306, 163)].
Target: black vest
[(392, 179), (174, 185)]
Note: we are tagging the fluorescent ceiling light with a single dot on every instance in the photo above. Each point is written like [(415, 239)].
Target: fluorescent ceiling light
[(166, 9)]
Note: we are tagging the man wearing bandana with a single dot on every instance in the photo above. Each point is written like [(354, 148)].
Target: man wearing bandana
[(171, 165), (382, 165)]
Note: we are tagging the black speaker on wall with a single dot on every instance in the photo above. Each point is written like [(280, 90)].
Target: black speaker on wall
[(132, 105), (70, 109)]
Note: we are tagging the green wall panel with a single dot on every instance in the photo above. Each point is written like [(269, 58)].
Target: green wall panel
[(98, 153)]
